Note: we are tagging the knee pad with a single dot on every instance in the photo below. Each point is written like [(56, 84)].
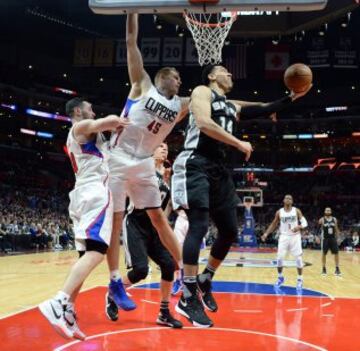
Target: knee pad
[(167, 271), (138, 273), (280, 262), (299, 262)]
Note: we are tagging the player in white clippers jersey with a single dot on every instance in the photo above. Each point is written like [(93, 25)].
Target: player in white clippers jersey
[(91, 209), (153, 111), (291, 222)]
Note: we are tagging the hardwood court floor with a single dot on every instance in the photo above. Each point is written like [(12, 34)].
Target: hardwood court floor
[(251, 316)]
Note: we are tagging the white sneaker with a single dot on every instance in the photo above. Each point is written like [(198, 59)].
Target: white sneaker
[(53, 311), (70, 318)]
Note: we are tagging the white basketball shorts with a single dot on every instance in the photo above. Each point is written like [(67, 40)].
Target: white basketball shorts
[(136, 178), (91, 210), (291, 244)]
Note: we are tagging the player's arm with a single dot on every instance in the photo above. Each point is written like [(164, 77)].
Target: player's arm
[(321, 225), (337, 230), (185, 102), (88, 127), (139, 79), (247, 109), (303, 222), (274, 224), (200, 106), (168, 209)]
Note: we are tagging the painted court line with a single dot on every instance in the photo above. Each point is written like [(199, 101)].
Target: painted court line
[(296, 309), (135, 330), (148, 301), (326, 304), (327, 315)]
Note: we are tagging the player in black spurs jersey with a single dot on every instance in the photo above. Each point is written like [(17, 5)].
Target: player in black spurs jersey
[(203, 186), (141, 240), (329, 233)]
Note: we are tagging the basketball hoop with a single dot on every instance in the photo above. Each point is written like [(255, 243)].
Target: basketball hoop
[(248, 203), (209, 31)]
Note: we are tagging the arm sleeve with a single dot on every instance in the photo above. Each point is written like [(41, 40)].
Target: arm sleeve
[(265, 109), (303, 222)]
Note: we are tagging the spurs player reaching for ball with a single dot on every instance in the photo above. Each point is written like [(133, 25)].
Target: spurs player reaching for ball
[(202, 184), (153, 111), (291, 222), (91, 208)]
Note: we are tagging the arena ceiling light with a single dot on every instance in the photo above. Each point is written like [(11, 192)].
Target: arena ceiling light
[(10, 107), (45, 135)]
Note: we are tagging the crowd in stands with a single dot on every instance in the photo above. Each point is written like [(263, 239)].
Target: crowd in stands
[(34, 202), (37, 213)]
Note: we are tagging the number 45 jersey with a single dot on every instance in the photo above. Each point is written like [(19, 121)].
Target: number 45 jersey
[(152, 118)]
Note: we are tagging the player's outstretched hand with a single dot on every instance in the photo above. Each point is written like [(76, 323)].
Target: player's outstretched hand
[(298, 95), (263, 238), (246, 148)]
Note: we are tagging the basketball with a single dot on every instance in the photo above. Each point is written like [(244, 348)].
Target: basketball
[(298, 77)]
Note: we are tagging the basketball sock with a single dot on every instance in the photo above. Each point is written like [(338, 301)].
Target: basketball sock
[(280, 274), (300, 277), (189, 286), (207, 274), (115, 275), (62, 297), (164, 306)]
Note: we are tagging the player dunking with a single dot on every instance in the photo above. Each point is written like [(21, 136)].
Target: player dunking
[(91, 209), (203, 187), (153, 111), (329, 233), (141, 240), (291, 222)]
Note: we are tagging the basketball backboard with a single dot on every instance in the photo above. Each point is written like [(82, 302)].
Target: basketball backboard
[(115, 7), (250, 195)]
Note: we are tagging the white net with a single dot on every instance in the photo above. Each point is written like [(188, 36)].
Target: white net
[(209, 31)]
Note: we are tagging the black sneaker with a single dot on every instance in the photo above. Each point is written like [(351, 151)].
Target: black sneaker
[(165, 318), (206, 295), (193, 310), (111, 309), (337, 271), (324, 271)]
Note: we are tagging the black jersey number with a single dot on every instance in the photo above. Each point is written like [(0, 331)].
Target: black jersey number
[(227, 124), (154, 127)]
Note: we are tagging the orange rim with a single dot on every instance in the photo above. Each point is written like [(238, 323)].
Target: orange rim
[(210, 25)]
